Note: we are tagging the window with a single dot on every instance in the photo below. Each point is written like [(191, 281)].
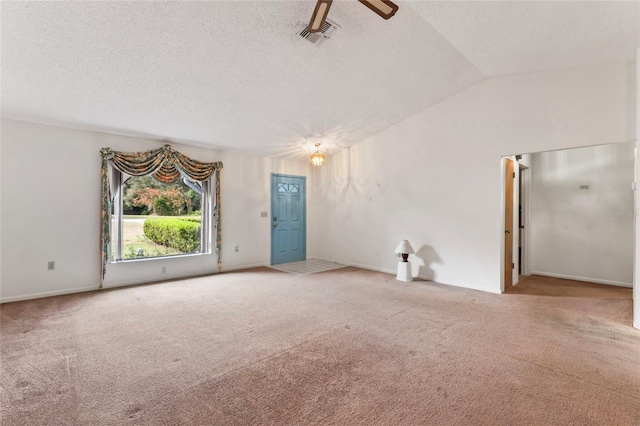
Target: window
[(153, 219), (165, 165), (288, 187)]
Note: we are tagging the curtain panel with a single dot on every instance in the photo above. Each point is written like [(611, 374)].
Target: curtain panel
[(166, 165)]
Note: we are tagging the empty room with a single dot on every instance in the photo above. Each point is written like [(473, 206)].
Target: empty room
[(341, 212)]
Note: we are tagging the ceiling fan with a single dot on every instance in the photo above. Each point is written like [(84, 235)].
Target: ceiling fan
[(385, 8)]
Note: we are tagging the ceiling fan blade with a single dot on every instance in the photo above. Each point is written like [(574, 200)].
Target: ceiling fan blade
[(319, 15), (385, 8)]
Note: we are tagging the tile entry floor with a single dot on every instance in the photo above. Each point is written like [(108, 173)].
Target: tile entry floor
[(307, 267)]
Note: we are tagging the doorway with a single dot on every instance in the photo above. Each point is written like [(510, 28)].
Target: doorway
[(573, 210), (288, 219)]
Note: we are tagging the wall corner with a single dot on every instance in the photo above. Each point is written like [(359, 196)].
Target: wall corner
[(636, 269)]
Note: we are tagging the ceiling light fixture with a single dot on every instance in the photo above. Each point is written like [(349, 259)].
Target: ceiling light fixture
[(319, 15), (317, 158), (384, 8)]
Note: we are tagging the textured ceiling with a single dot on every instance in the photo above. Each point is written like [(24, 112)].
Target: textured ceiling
[(234, 75), (511, 37)]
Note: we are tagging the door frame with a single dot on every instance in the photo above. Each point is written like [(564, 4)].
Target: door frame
[(525, 183), (304, 210), (504, 226), (524, 180)]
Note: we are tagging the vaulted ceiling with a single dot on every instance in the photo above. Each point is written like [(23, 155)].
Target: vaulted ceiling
[(235, 74)]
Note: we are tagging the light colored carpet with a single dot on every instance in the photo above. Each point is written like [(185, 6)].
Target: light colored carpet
[(307, 267), (349, 347)]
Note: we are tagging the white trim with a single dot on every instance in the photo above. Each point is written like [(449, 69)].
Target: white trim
[(31, 296), (120, 284), (585, 279), (468, 287), (118, 178), (165, 257), (515, 223), (180, 277), (357, 265), (526, 216), (149, 280), (237, 268), (503, 192), (393, 272), (636, 325)]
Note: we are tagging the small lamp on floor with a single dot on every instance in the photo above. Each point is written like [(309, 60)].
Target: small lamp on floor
[(404, 249)]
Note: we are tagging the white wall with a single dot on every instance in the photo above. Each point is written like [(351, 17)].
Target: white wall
[(435, 178), (583, 234), (51, 211)]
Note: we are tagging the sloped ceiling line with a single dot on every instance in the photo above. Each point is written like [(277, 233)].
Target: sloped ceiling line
[(202, 73)]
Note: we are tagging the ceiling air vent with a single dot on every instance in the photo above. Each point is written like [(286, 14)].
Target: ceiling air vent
[(328, 28)]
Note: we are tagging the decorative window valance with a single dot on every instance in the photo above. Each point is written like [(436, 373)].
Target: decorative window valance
[(167, 166)]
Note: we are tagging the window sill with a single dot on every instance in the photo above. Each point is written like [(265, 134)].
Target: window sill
[(146, 259)]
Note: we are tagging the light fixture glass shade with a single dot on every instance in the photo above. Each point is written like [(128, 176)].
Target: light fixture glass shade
[(317, 158), (404, 247)]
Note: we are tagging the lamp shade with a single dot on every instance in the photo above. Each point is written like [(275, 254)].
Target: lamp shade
[(404, 247)]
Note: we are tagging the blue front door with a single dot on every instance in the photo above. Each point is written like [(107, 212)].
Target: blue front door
[(288, 219)]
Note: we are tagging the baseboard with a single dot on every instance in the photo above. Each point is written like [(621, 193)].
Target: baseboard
[(393, 272), (357, 265), (115, 285), (585, 279), (40, 295), (237, 268), (468, 287), (143, 281), (151, 280)]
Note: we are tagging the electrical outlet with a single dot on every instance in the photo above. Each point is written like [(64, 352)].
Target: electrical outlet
[(163, 270), (51, 265), (237, 249)]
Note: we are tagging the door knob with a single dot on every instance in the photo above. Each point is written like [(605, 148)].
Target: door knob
[(507, 231), (275, 225)]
